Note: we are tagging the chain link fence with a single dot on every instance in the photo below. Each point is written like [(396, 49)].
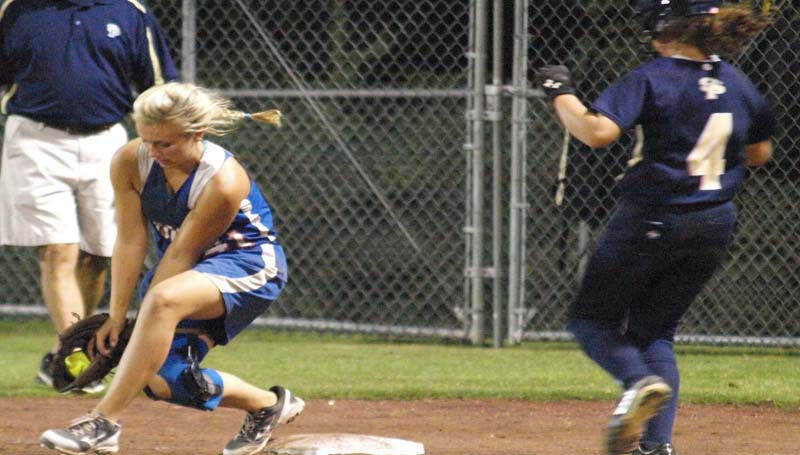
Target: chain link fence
[(367, 176), (755, 298), (384, 198)]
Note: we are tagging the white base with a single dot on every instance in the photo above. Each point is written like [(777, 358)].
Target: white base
[(342, 444)]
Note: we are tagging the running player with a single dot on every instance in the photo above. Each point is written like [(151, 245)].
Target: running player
[(699, 123)]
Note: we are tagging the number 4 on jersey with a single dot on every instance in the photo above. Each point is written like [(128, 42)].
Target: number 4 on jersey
[(706, 159)]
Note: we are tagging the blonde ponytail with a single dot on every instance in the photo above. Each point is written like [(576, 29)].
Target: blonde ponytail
[(195, 109)]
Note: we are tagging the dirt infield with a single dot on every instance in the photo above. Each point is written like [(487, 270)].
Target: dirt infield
[(445, 427)]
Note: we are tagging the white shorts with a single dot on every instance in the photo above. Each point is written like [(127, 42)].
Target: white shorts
[(56, 187)]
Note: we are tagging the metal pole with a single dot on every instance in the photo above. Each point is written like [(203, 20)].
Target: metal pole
[(189, 41), (522, 125), (495, 111), (476, 269), (468, 147), (517, 196)]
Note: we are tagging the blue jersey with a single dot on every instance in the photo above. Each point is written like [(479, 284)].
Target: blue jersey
[(251, 230), (75, 63), (693, 120)]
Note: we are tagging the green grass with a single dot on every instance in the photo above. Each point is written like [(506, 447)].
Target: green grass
[(332, 366)]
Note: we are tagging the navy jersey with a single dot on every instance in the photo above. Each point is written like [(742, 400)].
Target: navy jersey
[(693, 122), (251, 229), (76, 63)]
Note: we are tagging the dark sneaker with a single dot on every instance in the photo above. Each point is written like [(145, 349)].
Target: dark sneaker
[(45, 374), (90, 433), (258, 426), (45, 377), (663, 449), (638, 405)]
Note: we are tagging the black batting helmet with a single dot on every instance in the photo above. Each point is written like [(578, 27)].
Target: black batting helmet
[(653, 15)]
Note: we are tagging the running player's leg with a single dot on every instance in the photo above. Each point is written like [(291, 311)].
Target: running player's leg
[(620, 272), (700, 241), (615, 276)]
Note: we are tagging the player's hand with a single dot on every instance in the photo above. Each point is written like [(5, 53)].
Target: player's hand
[(555, 80), (107, 336)]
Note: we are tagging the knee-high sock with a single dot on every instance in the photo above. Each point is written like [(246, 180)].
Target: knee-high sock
[(603, 343)]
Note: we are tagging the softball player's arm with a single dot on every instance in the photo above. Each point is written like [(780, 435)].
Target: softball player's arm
[(130, 248), (593, 129), (211, 216), (759, 153), (759, 139)]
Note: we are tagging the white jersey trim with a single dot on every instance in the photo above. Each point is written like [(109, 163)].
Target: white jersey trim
[(211, 161), (145, 164), (230, 285)]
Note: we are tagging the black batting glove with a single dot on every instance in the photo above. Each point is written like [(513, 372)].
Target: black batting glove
[(555, 80)]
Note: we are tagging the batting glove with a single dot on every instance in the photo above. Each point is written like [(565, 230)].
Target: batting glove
[(556, 80)]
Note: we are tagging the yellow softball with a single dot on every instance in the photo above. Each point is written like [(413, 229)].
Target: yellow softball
[(77, 363)]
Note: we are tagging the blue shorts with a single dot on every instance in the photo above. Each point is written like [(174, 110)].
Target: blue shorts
[(249, 281), (650, 265)]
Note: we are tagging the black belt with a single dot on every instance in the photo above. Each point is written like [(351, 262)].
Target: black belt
[(82, 130)]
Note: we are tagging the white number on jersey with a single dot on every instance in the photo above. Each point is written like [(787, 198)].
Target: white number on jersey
[(706, 159)]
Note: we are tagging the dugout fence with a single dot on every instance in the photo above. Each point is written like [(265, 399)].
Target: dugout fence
[(414, 183)]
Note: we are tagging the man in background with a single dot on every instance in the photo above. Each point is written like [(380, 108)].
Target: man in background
[(70, 69)]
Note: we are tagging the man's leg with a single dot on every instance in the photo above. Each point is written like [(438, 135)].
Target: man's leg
[(92, 271), (60, 289)]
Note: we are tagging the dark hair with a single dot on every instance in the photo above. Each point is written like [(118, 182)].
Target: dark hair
[(723, 33)]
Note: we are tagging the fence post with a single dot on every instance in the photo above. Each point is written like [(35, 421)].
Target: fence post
[(189, 41), (516, 248), (476, 270), (494, 108)]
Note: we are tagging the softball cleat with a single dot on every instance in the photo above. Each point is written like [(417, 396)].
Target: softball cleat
[(638, 405)]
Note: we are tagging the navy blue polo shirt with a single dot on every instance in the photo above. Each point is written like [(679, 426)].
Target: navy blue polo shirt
[(75, 63)]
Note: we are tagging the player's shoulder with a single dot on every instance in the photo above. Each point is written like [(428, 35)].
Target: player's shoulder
[(129, 152), (137, 6), (125, 162), (655, 68), (736, 78)]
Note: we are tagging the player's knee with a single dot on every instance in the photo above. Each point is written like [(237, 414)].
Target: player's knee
[(162, 299), (182, 381), (189, 385), (158, 389)]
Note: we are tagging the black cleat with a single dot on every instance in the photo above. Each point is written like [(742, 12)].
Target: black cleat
[(258, 426)]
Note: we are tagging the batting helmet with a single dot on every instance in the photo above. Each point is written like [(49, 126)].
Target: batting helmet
[(654, 14)]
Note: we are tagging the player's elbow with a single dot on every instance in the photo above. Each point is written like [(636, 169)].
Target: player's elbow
[(596, 138), (758, 154), (598, 131), (598, 141)]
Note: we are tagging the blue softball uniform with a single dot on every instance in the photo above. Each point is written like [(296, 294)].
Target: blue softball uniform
[(246, 263)]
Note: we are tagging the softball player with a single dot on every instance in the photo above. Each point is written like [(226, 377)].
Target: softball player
[(699, 123), (219, 267), (70, 67)]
